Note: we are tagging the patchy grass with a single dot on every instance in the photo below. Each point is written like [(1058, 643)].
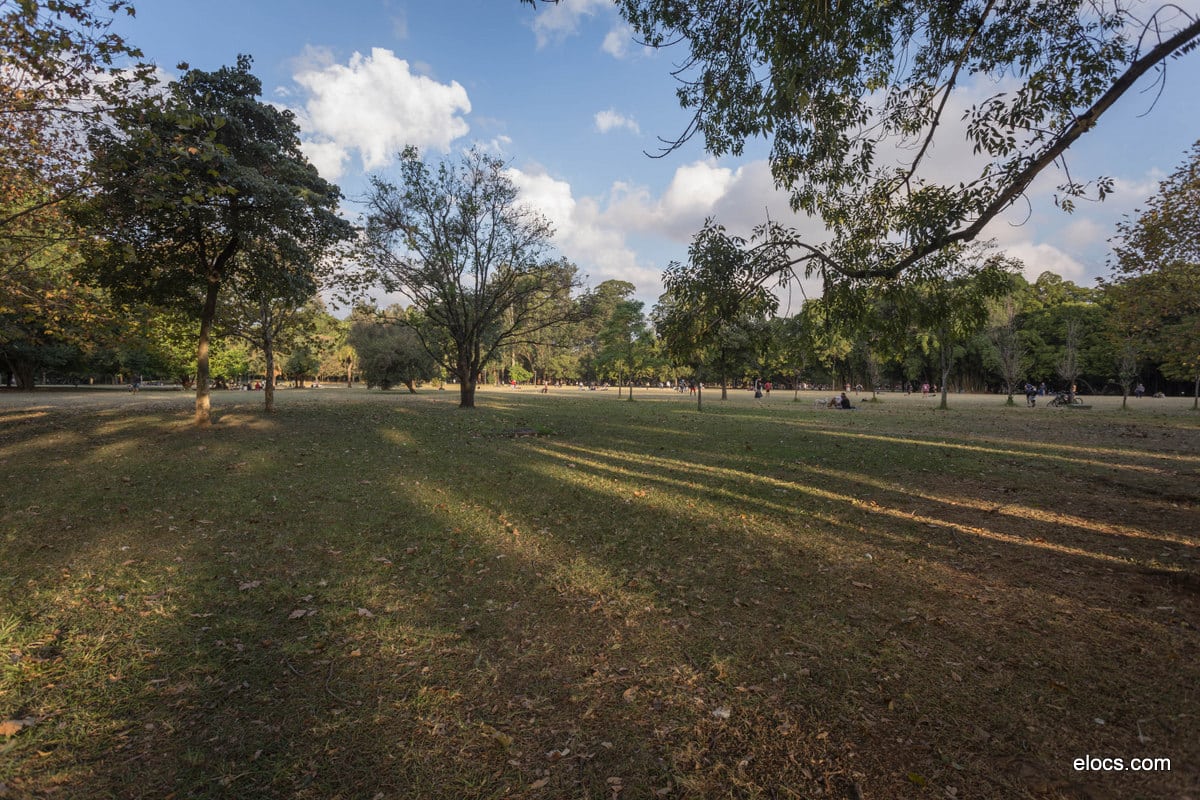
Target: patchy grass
[(382, 596)]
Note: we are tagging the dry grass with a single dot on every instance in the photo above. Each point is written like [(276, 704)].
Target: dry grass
[(381, 596)]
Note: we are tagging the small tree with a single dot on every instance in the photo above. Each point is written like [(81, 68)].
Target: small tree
[(389, 352), (722, 283), (456, 241), (1010, 353)]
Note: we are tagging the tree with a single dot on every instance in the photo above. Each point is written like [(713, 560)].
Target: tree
[(722, 283), (853, 95), (627, 347), (390, 353), (263, 305), (60, 68), (943, 312), (188, 182), (456, 241), (1006, 342), (1156, 273)]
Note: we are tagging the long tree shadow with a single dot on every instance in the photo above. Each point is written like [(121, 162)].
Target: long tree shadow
[(398, 598)]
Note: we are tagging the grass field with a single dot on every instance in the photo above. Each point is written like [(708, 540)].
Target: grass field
[(378, 596)]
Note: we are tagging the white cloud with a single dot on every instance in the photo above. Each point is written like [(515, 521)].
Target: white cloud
[(595, 232), (581, 232), (328, 157), (1042, 257), (613, 119), (617, 41), (374, 105), (556, 22)]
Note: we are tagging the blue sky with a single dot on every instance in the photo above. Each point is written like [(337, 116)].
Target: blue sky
[(566, 97)]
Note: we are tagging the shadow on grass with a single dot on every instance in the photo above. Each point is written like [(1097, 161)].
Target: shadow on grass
[(396, 597)]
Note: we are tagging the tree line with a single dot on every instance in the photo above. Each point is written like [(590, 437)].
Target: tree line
[(177, 229)]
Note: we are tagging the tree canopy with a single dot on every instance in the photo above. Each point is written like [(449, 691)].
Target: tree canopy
[(455, 239), (190, 179), (855, 97), (1156, 271)]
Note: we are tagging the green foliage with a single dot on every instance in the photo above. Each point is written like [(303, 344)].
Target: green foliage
[(199, 184), (456, 240), (851, 95), (1156, 281), (722, 286), (390, 352)]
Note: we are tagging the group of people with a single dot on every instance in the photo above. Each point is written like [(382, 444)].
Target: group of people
[(1033, 392)]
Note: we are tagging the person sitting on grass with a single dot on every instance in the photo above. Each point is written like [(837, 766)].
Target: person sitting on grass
[(845, 403)]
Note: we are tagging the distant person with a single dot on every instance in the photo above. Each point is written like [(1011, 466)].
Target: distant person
[(1139, 390), (845, 402), (1030, 394)]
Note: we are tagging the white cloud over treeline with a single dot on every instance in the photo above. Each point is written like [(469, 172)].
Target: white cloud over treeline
[(373, 106)]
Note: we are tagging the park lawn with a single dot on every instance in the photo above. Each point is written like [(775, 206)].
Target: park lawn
[(374, 595)]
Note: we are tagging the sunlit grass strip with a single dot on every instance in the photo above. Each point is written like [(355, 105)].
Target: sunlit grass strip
[(1019, 512), (1031, 449), (724, 474)]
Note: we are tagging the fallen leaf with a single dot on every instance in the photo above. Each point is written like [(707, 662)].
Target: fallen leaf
[(539, 783), (249, 585), (721, 713), (362, 612), (298, 613), (14, 726)]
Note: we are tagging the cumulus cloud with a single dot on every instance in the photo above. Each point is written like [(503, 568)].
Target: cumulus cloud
[(617, 41), (613, 120), (595, 232), (1042, 257), (581, 232), (556, 22), (374, 105)]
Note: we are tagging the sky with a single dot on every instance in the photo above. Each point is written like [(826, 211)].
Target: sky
[(574, 106)]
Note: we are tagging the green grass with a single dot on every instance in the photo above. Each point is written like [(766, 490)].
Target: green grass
[(370, 595)]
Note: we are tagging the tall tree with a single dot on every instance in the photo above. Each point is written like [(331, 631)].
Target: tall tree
[(189, 181), (1156, 268), (626, 344), (940, 313), (456, 240), (263, 305)]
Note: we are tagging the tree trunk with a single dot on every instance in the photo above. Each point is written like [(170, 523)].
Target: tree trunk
[(1196, 395), (207, 314), (24, 371), (466, 386), (411, 388), (269, 383)]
